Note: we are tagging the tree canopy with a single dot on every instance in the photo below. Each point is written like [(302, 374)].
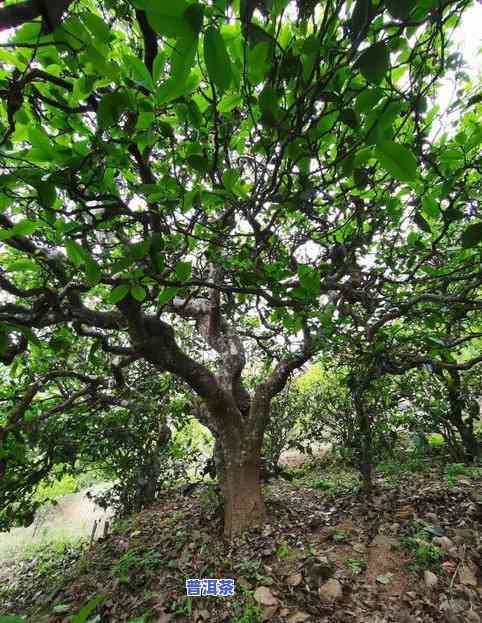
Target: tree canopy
[(262, 175)]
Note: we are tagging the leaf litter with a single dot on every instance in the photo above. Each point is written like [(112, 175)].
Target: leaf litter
[(298, 568)]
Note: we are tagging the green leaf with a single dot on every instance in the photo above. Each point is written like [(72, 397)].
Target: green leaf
[(46, 193), (374, 62), (172, 18), (40, 140), (258, 62), (350, 118), (397, 160), (183, 270), (25, 227), (198, 162), (97, 26), (309, 279), (229, 102), (110, 108), (158, 66), (166, 295), (84, 613), (118, 293), (430, 207), (268, 103), (472, 235), (194, 14), (138, 292), (182, 59), (139, 250), (75, 252), (368, 99), (92, 271), (217, 60), (361, 17), (400, 9), (231, 178), (139, 71), (422, 223), (12, 619), (23, 265)]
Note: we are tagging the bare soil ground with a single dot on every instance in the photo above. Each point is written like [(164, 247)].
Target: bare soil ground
[(411, 554)]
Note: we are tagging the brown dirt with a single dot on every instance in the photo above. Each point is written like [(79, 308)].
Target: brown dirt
[(143, 567), (385, 560)]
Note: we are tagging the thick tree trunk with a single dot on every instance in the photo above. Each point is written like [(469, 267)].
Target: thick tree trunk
[(465, 427), (243, 502), (238, 468), (365, 441)]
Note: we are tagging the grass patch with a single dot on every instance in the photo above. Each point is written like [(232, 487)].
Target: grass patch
[(418, 542)]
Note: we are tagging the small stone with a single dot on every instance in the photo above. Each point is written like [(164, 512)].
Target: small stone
[(431, 580), (330, 591)]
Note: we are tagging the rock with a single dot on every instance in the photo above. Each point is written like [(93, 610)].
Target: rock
[(472, 617), (265, 597), (431, 580), (330, 591), (295, 579)]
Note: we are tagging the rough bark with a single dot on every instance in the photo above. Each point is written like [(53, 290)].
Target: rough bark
[(464, 427), (366, 440), (243, 501)]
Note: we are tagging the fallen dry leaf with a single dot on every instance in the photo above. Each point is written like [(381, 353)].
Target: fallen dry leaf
[(330, 591), (265, 597), (467, 575), (431, 580), (298, 617), (268, 611), (295, 579)]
